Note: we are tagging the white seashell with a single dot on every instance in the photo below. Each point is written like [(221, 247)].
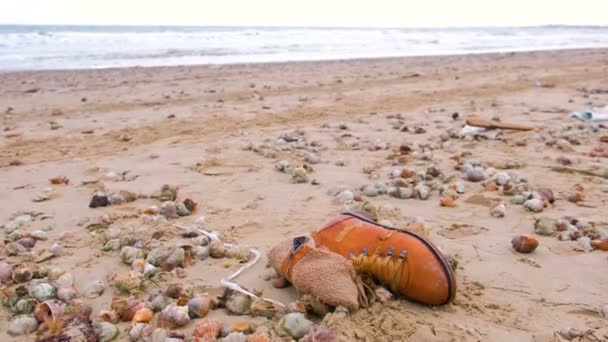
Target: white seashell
[(22, 325), (346, 196), (535, 205), (502, 178), (499, 210), (296, 325)]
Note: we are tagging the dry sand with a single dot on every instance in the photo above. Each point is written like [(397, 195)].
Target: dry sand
[(502, 295)]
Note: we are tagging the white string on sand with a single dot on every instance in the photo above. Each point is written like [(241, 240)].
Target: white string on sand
[(227, 282)]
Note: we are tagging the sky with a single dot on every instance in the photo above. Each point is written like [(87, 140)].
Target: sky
[(377, 13)]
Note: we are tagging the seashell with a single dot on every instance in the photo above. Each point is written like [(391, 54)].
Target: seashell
[(109, 316), (25, 306), (157, 256), (422, 191), (296, 306), (547, 195), (128, 195), (201, 240), (168, 209), (296, 325), (370, 191), (217, 249), (447, 201), (22, 325), (67, 293), (128, 254), (190, 205), (150, 270), (241, 326), (48, 310), (475, 175), (138, 265), (177, 258), (175, 291), (173, 316), (584, 244), (319, 334), (518, 199), (140, 332), (258, 337), (143, 315), (236, 303), (406, 173), (545, 226), (126, 307), (105, 331), (502, 178), (27, 242), (60, 180), (153, 210), (601, 244), (199, 306), (535, 205), (166, 193), (524, 243), (262, 308), (158, 301), (207, 330), (22, 275), (491, 186), (499, 210), (117, 199), (346, 196), (99, 199), (299, 175), (41, 291), (66, 279), (94, 289), (6, 273), (12, 249), (235, 337), (201, 252), (575, 196), (181, 209)]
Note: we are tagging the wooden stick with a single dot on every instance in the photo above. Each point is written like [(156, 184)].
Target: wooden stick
[(491, 124)]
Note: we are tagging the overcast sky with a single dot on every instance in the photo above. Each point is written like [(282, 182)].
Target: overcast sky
[(405, 13)]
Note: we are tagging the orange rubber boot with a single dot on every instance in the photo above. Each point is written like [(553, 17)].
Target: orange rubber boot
[(403, 261)]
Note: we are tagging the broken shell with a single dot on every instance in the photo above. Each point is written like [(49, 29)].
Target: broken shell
[(105, 331), (296, 325), (499, 210), (109, 316), (150, 270), (207, 330), (236, 303), (199, 306), (217, 249), (535, 205), (42, 291), (447, 201), (22, 275), (143, 315), (601, 244), (140, 332), (168, 209), (22, 325), (6, 273), (99, 199), (173, 316), (524, 243), (263, 308), (158, 301), (67, 293), (319, 334), (49, 310), (128, 254)]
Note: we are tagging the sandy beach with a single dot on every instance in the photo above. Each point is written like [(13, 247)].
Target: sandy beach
[(214, 132)]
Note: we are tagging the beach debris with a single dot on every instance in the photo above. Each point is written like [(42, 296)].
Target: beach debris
[(493, 124), (296, 325), (207, 330), (524, 243), (590, 115), (263, 308)]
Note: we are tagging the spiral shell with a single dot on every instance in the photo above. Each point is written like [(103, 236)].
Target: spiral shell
[(199, 306), (140, 332), (207, 330), (158, 301), (143, 315), (173, 316), (126, 307), (49, 310), (41, 291), (264, 308), (524, 243)]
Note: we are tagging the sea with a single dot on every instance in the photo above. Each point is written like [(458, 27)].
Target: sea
[(36, 47)]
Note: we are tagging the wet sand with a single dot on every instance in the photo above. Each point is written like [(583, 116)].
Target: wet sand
[(193, 127)]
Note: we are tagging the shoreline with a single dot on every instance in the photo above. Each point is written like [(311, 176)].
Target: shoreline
[(332, 60)]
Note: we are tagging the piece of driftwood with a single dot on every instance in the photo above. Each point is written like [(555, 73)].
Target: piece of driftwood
[(492, 124)]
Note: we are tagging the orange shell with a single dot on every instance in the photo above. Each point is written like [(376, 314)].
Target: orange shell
[(207, 330), (143, 315), (407, 173), (241, 326), (601, 244), (49, 310), (524, 243), (258, 337), (447, 201)]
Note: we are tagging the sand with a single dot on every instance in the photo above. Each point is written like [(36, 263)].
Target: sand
[(187, 126)]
